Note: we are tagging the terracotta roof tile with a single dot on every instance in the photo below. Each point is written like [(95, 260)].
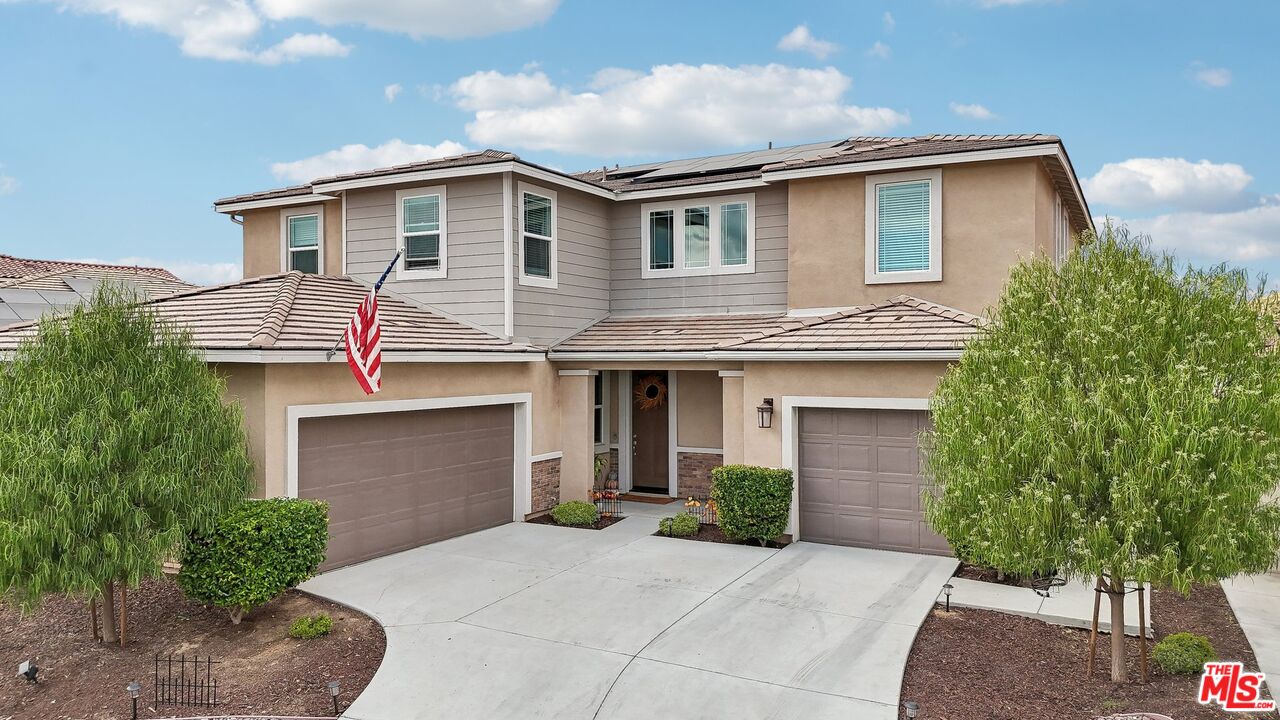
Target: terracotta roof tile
[(293, 311)]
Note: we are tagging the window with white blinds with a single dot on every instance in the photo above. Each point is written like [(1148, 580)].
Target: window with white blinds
[(538, 244), (302, 236), (420, 223), (904, 241)]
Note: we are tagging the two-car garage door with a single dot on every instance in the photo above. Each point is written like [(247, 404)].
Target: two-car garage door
[(860, 479), (397, 480)]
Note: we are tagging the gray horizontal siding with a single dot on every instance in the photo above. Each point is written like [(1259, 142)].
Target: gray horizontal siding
[(545, 315), (763, 290), (473, 289)]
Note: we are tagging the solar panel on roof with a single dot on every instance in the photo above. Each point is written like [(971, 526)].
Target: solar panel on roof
[(730, 161)]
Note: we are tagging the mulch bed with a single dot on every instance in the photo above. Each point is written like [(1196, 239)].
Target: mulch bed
[(712, 533), (261, 670), (977, 664), (602, 523), (986, 574)]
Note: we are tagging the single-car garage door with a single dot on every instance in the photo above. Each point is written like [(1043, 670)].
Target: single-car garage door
[(860, 480), (397, 480)]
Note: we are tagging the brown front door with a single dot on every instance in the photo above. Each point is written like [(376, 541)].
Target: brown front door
[(398, 480), (860, 480), (649, 469)]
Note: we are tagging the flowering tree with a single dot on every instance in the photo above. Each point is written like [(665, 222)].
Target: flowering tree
[(1118, 420), (115, 443)]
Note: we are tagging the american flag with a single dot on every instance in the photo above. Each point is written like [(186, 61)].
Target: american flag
[(364, 344)]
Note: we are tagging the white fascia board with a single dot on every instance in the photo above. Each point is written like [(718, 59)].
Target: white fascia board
[(550, 177), (914, 162), (465, 171), (318, 356), (273, 202), (692, 189), (765, 355)]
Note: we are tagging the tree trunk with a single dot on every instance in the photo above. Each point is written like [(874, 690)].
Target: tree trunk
[(237, 614), (1119, 670), (109, 612)]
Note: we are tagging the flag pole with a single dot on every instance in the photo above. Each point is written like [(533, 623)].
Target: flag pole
[(376, 287)]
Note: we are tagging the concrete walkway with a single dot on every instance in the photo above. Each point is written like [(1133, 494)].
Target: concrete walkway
[(536, 621), (1070, 605), (1256, 602)]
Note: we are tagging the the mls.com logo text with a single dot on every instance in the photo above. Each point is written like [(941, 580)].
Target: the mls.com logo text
[(1235, 689)]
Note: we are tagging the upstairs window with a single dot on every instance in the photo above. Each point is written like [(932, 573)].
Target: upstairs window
[(302, 230), (904, 227), (421, 219), (537, 236), (704, 236)]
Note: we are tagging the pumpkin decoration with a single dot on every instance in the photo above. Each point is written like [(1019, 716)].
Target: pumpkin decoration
[(650, 393)]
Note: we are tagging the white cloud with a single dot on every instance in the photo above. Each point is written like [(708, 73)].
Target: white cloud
[(418, 18), (391, 91), (1210, 77), (973, 111), (801, 40), (231, 29), (1243, 236), (879, 50), (199, 273), (361, 157), (1146, 183), (889, 23), (672, 108), (8, 184)]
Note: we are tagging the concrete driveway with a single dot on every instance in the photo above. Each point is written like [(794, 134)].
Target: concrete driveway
[(535, 621)]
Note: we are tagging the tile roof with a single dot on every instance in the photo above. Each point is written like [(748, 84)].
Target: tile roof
[(294, 311), (32, 288), (867, 149), (901, 323)]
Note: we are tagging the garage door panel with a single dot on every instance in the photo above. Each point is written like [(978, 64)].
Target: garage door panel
[(395, 481), (860, 481)]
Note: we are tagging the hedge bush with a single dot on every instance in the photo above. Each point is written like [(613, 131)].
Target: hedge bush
[(254, 553), (752, 502), (575, 512), (1183, 653), (682, 525), (308, 627)]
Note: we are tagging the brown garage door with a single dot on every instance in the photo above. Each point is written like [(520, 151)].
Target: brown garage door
[(860, 480), (398, 480)]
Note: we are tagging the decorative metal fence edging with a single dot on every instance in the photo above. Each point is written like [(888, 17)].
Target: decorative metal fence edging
[(704, 509), (608, 502), (187, 681)]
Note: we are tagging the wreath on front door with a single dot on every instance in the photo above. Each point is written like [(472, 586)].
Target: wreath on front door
[(650, 392)]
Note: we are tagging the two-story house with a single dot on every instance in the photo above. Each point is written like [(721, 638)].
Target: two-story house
[(792, 307)]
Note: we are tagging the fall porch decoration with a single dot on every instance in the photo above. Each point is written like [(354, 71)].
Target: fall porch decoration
[(650, 393)]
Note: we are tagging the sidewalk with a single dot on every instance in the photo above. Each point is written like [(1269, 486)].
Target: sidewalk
[(1256, 602), (1071, 605)]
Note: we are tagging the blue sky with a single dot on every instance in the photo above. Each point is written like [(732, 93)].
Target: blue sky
[(122, 120)]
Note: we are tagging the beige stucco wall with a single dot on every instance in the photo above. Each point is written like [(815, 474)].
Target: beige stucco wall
[(576, 436), (283, 385), (263, 243), (698, 409), (989, 218), (823, 379)]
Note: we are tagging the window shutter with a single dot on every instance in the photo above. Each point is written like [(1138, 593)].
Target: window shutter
[(902, 223)]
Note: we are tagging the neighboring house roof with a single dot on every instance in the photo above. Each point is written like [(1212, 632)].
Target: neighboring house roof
[(294, 312), (902, 324), (748, 168), (31, 288)]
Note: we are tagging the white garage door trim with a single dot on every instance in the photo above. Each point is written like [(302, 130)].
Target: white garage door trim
[(522, 475), (790, 429)]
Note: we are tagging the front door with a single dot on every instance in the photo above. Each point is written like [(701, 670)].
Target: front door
[(649, 452)]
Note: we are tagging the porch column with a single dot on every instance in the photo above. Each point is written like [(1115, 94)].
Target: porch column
[(577, 434), (731, 421)]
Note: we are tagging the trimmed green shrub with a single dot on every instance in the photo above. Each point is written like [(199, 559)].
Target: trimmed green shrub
[(254, 553), (682, 525), (1183, 653), (308, 627), (575, 512), (752, 502)]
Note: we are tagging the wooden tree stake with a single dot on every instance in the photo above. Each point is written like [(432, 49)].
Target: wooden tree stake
[(1142, 630), (124, 612), (93, 619), (1093, 632)]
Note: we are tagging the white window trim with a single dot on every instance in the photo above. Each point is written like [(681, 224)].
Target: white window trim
[(403, 273), (714, 267), (285, 214), (872, 245), (533, 280)]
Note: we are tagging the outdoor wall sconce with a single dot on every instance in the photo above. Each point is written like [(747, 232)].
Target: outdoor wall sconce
[(765, 411), (135, 689), (333, 693)]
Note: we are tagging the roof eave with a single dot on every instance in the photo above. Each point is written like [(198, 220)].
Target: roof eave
[(757, 355), (285, 201)]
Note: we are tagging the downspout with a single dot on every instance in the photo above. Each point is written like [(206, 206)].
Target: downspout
[(508, 260), (236, 218)]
